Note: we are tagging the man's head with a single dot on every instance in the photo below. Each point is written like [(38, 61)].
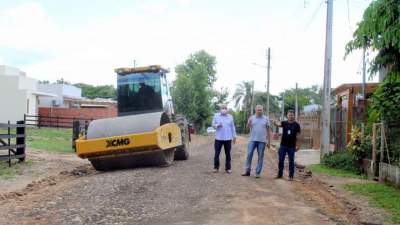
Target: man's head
[(259, 110), (291, 115), (223, 109)]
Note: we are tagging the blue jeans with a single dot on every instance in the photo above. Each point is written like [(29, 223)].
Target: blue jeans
[(250, 150), (282, 154)]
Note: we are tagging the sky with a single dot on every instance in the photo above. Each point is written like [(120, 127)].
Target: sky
[(84, 41)]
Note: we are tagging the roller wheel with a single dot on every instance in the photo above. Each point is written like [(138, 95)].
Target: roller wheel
[(182, 152), (127, 161)]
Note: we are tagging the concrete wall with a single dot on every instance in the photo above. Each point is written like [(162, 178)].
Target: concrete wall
[(16, 94)]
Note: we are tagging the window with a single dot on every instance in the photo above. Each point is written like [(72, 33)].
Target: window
[(139, 92)]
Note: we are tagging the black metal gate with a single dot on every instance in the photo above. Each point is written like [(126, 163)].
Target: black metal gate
[(12, 141)]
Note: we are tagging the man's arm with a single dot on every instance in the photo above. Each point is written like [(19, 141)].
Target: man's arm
[(298, 139), (249, 125), (269, 137), (233, 131), (277, 123)]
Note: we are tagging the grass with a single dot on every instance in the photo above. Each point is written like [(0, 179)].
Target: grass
[(322, 169), (379, 195), (15, 169), (50, 139)]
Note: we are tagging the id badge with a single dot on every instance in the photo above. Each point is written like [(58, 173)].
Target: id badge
[(288, 132)]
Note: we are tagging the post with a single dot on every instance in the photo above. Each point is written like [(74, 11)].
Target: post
[(21, 133), (382, 142), (325, 136), (296, 104), (364, 74), (268, 78), (9, 143), (373, 149), (252, 98), (283, 106)]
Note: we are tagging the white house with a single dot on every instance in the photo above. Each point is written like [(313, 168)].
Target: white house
[(18, 94), (64, 94)]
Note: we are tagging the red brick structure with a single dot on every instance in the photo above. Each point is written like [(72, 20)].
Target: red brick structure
[(63, 117), (87, 113)]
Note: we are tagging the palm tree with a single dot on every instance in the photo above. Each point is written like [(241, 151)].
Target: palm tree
[(243, 97)]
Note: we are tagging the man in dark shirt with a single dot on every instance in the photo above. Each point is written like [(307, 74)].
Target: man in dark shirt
[(291, 130)]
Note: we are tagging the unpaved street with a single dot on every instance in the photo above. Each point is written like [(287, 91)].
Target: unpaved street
[(185, 193)]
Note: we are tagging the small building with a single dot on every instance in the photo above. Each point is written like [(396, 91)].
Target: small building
[(350, 109), (68, 103), (18, 94), (63, 94)]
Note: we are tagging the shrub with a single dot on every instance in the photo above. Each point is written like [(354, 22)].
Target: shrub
[(341, 160)]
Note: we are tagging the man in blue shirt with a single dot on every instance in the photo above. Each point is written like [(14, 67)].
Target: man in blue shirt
[(260, 135), (224, 135)]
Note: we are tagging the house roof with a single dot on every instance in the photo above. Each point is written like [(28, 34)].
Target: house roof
[(356, 87)]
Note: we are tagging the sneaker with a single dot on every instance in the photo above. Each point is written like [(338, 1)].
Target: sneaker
[(229, 171), (246, 174), (291, 179), (215, 170), (278, 177), (257, 175)]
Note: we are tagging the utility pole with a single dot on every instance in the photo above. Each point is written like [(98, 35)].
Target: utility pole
[(268, 77), (326, 113), (296, 104), (252, 99), (283, 107), (364, 73)]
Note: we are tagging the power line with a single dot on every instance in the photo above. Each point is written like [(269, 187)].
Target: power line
[(315, 14), (348, 16)]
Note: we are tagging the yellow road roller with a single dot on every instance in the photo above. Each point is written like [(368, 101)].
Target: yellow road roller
[(146, 132)]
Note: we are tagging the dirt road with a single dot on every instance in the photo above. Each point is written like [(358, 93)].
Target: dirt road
[(185, 193)]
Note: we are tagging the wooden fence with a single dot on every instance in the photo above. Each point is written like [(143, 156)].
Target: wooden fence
[(310, 136), (12, 142)]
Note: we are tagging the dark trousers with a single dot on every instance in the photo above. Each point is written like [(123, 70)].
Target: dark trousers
[(282, 154), (218, 146)]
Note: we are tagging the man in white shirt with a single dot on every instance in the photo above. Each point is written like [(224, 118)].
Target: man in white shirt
[(224, 135)]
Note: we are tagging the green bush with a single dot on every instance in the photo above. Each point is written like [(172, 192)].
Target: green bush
[(341, 160)]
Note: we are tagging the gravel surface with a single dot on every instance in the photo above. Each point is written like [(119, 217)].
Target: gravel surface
[(185, 193)]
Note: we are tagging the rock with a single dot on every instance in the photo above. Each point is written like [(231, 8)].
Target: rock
[(52, 183)]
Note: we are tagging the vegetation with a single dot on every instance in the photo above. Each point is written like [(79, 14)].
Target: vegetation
[(323, 169), (88, 90), (305, 96), (342, 160), (50, 139), (379, 30), (380, 195), (192, 90), (16, 169), (102, 91), (220, 97)]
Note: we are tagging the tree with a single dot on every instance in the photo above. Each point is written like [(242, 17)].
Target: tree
[(305, 96), (220, 97), (44, 82), (102, 91), (260, 98), (192, 90), (243, 95), (62, 81), (243, 99), (380, 30)]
